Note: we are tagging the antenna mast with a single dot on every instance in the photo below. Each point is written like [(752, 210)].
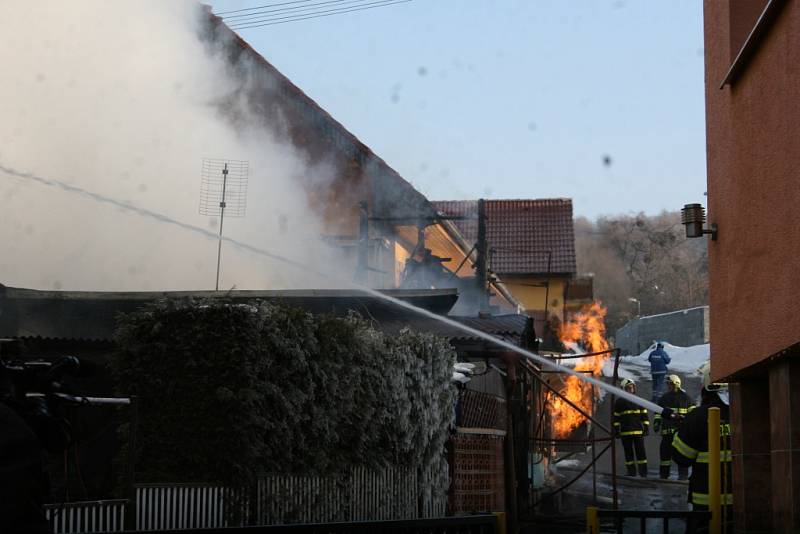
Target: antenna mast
[(223, 190)]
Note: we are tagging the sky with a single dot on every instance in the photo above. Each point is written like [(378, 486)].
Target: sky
[(599, 101)]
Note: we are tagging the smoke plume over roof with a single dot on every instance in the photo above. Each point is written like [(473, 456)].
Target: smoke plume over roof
[(124, 99)]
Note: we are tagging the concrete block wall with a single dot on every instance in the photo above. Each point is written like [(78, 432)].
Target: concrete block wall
[(682, 327)]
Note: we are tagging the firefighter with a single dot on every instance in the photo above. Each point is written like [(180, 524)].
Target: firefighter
[(680, 404), (631, 424), (690, 446)]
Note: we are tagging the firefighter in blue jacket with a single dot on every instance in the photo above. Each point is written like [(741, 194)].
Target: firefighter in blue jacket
[(690, 447), (631, 424), (659, 359), (679, 404)]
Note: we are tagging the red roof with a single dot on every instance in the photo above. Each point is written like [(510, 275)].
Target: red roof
[(524, 236)]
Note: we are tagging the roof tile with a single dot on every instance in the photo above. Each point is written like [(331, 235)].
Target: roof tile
[(524, 236)]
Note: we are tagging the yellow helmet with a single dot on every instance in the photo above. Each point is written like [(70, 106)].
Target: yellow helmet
[(627, 382), (674, 380)]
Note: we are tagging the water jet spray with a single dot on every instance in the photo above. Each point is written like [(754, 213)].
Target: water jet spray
[(541, 360)]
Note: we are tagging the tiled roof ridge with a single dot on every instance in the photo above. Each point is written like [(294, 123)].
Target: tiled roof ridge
[(527, 236), (503, 200)]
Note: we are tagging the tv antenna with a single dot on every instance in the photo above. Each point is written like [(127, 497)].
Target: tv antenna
[(223, 191)]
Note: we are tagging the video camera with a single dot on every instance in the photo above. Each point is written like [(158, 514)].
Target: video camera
[(37, 378), (20, 380)]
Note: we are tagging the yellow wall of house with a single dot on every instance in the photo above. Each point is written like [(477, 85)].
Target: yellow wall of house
[(437, 241), (531, 291), (401, 254)]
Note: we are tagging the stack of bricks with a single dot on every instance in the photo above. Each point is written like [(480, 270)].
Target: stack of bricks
[(478, 474)]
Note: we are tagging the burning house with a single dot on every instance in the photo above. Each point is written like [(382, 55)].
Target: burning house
[(530, 247), (515, 258), (391, 234)]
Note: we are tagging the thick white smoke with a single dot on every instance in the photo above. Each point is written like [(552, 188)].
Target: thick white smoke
[(121, 98)]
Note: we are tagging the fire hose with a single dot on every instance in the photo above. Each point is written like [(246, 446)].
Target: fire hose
[(541, 360), (77, 190)]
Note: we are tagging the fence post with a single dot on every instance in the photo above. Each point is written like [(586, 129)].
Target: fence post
[(501, 526), (592, 520), (130, 475), (714, 471)]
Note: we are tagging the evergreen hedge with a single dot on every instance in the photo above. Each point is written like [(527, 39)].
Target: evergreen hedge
[(227, 391)]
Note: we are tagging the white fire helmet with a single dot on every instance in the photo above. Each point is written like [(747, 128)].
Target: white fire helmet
[(720, 388), (675, 380), (627, 382)]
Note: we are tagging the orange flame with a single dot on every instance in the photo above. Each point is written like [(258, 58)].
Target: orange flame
[(587, 328)]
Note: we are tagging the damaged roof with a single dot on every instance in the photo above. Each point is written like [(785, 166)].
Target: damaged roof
[(534, 236)]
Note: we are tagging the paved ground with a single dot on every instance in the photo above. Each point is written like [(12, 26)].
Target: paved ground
[(633, 492), (691, 384)]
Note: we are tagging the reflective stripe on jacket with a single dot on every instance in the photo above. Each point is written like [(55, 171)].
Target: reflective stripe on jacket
[(629, 419), (677, 401), (690, 448)]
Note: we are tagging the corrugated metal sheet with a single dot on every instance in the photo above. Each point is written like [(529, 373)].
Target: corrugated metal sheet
[(509, 327), (91, 315)]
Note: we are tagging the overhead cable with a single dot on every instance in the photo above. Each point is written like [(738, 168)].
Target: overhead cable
[(274, 19), (318, 14), (260, 7), (241, 18)]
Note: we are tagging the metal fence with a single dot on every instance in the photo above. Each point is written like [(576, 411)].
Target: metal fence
[(354, 496), (181, 506), (358, 495), (477, 524), (87, 517), (621, 521)]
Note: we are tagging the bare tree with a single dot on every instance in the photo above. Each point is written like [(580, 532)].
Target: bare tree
[(647, 258)]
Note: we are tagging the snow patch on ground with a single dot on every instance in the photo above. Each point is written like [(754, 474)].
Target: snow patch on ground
[(685, 360), (569, 463), (622, 372)]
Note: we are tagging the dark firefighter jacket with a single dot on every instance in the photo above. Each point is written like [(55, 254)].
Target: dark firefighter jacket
[(677, 401), (690, 448), (629, 419)]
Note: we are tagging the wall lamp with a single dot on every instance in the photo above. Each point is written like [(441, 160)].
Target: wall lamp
[(693, 216)]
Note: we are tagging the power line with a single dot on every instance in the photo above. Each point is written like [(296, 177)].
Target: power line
[(319, 14), (240, 19), (273, 19), (259, 7)]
